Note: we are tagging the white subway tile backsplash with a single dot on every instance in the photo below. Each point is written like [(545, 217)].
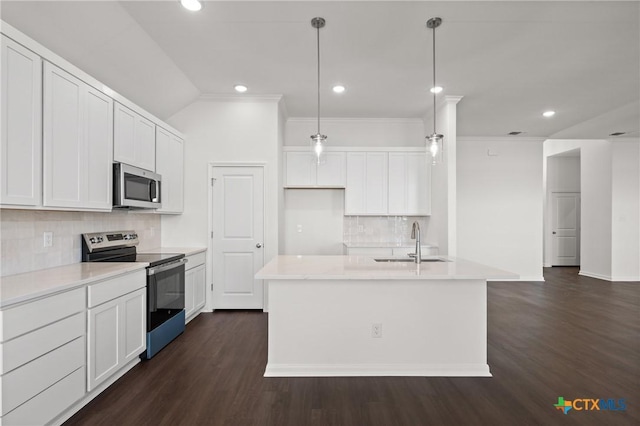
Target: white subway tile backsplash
[(21, 236), (381, 229)]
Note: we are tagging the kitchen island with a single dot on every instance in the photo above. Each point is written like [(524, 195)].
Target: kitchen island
[(354, 316)]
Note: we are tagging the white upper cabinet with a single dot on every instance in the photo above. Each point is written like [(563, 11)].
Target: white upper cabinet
[(77, 143), (303, 170), (170, 165), (134, 139), (367, 183), (409, 184), (21, 126)]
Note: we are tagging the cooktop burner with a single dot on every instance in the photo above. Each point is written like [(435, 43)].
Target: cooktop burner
[(120, 247)]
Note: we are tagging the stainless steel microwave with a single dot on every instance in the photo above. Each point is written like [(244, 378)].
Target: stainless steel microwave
[(135, 188)]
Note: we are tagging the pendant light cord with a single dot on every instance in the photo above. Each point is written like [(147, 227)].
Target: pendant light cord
[(318, 46), (434, 81)]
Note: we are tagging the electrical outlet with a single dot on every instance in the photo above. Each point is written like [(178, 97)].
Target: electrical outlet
[(299, 228), (47, 239), (376, 330), (360, 228)]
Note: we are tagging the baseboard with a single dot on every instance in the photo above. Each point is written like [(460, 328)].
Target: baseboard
[(522, 278), (625, 279), (594, 275), (363, 370), (66, 415)]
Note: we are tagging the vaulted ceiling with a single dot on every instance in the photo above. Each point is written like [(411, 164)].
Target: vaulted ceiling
[(510, 60)]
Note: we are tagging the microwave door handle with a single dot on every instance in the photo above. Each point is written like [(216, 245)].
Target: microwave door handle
[(154, 190)]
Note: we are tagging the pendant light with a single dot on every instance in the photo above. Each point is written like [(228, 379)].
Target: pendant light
[(434, 141), (318, 139)]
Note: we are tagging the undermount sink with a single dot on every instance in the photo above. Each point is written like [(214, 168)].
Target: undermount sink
[(431, 259)]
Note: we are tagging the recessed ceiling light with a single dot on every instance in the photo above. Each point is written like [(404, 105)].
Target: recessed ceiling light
[(436, 89), (192, 5), (549, 114), (339, 88), (241, 88)]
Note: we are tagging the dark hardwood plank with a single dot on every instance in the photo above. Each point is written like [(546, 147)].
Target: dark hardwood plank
[(570, 336)]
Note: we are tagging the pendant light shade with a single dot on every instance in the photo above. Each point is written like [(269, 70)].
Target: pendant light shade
[(434, 144), (317, 140)]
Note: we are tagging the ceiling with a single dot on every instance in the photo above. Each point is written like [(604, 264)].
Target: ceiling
[(509, 60)]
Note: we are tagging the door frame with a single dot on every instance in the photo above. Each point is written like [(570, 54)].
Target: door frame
[(210, 206)]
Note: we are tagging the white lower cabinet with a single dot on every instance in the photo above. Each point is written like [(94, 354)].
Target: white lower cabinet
[(195, 278), (43, 358), (117, 335)]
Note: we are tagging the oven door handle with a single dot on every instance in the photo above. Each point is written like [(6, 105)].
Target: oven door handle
[(166, 267)]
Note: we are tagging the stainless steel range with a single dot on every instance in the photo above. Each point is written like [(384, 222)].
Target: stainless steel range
[(165, 282)]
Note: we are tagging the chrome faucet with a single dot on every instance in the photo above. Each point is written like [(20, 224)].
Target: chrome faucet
[(415, 234)]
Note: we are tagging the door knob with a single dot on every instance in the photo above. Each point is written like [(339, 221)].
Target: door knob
[(554, 232), (259, 245)]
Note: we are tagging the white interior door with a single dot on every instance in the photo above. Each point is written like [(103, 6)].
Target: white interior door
[(565, 228), (238, 235)]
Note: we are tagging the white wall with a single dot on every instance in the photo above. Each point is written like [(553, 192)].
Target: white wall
[(499, 204), (596, 184), (320, 214), (224, 130), (625, 232), (375, 132)]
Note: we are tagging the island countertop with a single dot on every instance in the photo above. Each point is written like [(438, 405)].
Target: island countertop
[(293, 267)]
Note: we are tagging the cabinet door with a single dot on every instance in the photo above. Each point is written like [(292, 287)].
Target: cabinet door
[(189, 292), (332, 169), (64, 149), (103, 342), (99, 150), (376, 183), (355, 193), (21, 107), (301, 169), (124, 135), (133, 320), (409, 184), (199, 286), (170, 165), (145, 144)]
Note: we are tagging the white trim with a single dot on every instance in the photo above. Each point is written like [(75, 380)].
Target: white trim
[(537, 278), (238, 164), (594, 275), (212, 97), (357, 120), (499, 139), (67, 66), (625, 279), (359, 370), (299, 148)]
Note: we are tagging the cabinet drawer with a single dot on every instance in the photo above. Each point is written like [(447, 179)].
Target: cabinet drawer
[(28, 347), (25, 382), (30, 316), (196, 260), (45, 406), (111, 289)]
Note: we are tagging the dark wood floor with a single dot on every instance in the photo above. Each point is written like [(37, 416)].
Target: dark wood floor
[(571, 336)]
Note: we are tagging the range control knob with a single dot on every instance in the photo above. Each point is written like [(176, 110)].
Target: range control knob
[(92, 240), (100, 239)]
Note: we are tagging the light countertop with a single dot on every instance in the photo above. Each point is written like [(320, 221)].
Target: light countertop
[(364, 267), (188, 251), (31, 285), (387, 244)]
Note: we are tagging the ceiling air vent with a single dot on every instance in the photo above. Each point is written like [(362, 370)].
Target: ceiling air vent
[(617, 133), (515, 133)]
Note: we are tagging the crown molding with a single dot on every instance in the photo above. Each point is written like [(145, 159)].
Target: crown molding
[(500, 139), (357, 120)]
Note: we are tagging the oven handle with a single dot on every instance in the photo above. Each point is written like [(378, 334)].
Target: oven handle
[(166, 267)]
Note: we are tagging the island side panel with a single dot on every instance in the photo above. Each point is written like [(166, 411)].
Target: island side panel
[(429, 328)]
